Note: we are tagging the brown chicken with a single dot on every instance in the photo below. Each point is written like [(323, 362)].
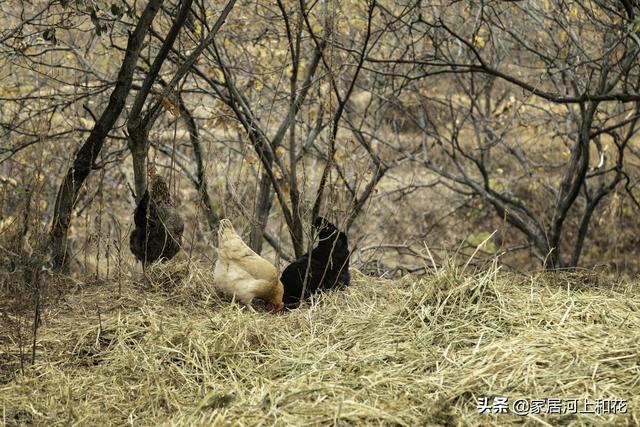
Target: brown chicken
[(241, 272), (159, 226)]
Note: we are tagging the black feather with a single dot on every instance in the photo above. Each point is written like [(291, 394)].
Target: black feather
[(158, 232), (140, 214), (326, 266)]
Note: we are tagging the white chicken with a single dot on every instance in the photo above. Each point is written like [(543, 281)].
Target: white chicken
[(241, 272)]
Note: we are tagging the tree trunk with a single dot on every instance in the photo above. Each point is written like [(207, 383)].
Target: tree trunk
[(262, 212), (139, 146), (88, 153), (572, 181), (139, 126), (201, 185)]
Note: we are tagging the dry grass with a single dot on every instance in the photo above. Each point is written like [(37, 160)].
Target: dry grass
[(409, 352)]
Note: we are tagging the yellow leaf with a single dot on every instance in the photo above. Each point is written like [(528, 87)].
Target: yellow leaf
[(218, 182), (562, 36), (573, 12), (285, 189), (86, 123), (168, 105), (479, 41), (6, 223), (313, 111), (8, 180), (251, 158), (277, 173)]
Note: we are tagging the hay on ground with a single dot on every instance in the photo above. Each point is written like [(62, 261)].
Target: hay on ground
[(407, 352)]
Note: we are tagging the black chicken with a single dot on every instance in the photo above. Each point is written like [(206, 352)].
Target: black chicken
[(159, 226), (327, 265)]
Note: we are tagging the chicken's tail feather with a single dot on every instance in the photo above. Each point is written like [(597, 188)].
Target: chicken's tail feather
[(225, 226), (326, 229), (226, 231), (140, 213)]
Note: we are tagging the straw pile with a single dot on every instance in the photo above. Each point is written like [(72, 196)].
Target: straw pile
[(410, 352)]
